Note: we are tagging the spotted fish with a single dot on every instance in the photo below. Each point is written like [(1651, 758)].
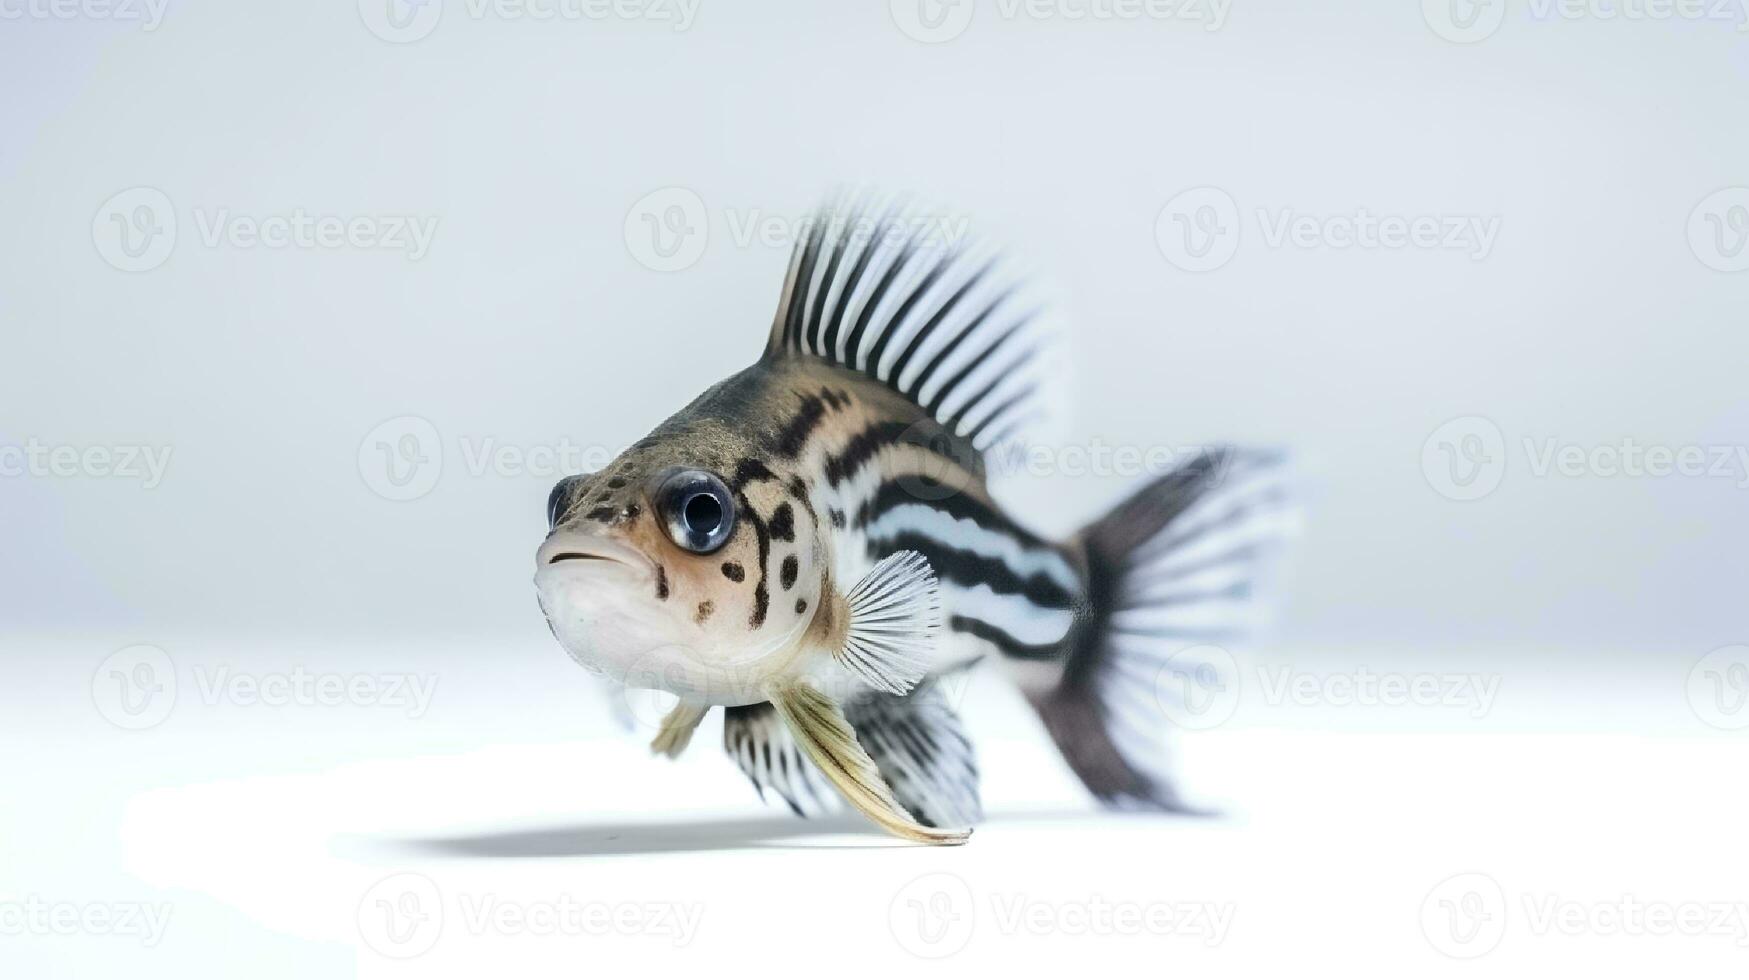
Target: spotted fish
[(812, 544)]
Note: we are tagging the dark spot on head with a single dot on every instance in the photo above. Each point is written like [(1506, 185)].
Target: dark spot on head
[(787, 574), (748, 470), (599, 514), (661, 582), (760, 602), (782, 526), (733, 571), (705, 609), (837, 518), (633, 510), (798, 488), (616, 483), (801, 606)]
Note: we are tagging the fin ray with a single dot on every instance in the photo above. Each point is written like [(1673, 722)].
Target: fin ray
[(885, 289)]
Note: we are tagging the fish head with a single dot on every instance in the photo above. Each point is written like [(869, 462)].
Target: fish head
[(664, 571)]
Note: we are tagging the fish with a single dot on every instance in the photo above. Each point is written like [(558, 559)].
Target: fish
[(813, 544)]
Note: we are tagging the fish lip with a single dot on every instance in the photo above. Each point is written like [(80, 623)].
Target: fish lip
[(577, 556), (579, 551)]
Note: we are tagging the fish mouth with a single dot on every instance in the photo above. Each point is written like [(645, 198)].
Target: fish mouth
[(576, 556), (581, 551)]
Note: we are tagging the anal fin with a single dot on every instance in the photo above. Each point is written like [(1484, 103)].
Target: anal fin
[(755, 737), (920, 746)]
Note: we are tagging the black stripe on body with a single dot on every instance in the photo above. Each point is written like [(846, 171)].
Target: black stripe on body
[(794, 435), (923, 434), (861, 448), (1004, 642), (970, 569), (958, 505)]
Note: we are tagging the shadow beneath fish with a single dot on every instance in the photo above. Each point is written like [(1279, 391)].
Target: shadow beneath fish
[(668, 837)]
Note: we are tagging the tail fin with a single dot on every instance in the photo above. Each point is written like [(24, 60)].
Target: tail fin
[(1171, 568)]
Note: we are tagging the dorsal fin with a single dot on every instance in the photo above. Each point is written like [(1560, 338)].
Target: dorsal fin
[(900, 293)]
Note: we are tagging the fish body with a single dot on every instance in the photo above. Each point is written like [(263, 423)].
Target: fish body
[(812, 544)]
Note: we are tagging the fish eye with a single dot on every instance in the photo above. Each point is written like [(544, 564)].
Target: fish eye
[(559, 500), (698, 510)]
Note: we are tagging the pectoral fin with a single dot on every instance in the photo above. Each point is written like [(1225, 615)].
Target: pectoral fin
[(677, 729), (818, 725), (895, 617)]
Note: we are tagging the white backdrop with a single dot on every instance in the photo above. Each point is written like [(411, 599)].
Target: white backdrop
[(303, 301)]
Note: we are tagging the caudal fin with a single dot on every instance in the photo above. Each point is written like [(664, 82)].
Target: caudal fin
[(1173, 567)]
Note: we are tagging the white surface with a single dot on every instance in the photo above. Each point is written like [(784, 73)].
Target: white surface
[(271, 833)]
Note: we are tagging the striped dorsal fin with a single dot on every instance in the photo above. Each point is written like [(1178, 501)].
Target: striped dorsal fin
[(901, 294)]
